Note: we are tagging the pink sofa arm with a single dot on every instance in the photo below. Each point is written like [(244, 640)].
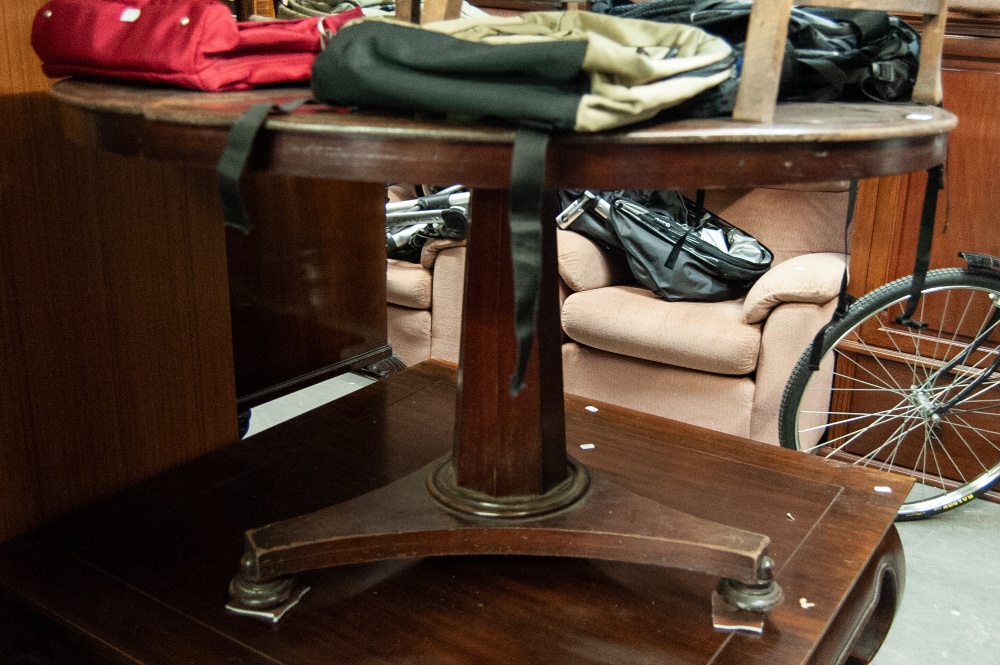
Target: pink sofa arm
[(584, 266), (809, 278), (788, 331), (431, 249)]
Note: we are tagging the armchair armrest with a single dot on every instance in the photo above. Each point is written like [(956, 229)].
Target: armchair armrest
[(809, 278), (429, 252), (584, 266)]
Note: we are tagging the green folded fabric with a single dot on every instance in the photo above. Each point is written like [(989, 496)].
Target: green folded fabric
[(543, 71), (572, 70)]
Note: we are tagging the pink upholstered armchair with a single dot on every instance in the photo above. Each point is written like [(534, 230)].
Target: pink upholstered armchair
[(718, 365), (425, 302)]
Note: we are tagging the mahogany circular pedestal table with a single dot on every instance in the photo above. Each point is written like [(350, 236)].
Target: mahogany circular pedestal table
[(508, 485)]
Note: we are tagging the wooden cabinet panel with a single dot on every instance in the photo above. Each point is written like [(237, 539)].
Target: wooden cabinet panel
[(115, 358), (967, 209), (116, 340), (889, 216), (967, 206), (307, 285)]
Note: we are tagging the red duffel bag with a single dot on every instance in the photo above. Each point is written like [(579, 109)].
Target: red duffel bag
[(190, 43)]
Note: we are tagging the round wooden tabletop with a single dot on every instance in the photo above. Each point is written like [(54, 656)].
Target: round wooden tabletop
[(806, 142)]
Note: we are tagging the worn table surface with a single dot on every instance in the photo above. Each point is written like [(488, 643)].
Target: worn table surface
[(805, 143), (143, 577)]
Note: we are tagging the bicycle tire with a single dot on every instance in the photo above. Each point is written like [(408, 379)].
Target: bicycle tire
[(953, 449)]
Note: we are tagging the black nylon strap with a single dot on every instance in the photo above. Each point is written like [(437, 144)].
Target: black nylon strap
[(527, 182), (935, 182), (869, 25), (816, 350), (236, 155), (699, 208), (693, 224), (675, 251)]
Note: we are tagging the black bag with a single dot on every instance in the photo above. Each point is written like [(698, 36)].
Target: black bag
[(675, 247), (831, 54)]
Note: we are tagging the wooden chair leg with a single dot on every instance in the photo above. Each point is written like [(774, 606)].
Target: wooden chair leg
[(927, 88), (440, 10), (413, 11), (408, 10), (767, 33)]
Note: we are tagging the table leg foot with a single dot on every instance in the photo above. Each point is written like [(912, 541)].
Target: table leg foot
[(384, 367), (762, 596), (249, 591)]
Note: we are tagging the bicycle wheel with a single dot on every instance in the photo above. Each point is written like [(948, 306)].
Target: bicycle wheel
[(922, 401)]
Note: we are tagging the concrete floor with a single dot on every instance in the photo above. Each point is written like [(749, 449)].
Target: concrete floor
[(950, 611), (951, 605)]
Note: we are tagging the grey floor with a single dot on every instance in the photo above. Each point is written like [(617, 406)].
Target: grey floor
[(951, 604)]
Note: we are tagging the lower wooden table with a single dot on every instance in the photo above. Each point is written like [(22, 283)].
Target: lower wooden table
[(142, 578)]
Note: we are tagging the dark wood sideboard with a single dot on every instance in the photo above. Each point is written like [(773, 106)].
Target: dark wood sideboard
[(119, 355)]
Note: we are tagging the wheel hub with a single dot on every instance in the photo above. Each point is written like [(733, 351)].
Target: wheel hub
[(925, 403)]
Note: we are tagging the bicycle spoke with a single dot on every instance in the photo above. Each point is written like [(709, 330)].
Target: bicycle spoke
[(890, 333), (891, 460), (983, 390), (881, 385), (853, 435), (874, 356), (940, 326), (856, 416), (874, 386), (978, 430), (961, 437), (965, 425), (986, 328), (926, 453), (893, 440), (986, 410), (947, 453)]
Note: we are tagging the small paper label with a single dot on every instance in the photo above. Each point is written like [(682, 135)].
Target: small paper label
[(130, 14)]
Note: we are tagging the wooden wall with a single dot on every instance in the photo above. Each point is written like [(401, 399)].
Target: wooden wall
[(889, 211), (966, 208), (115, 356)]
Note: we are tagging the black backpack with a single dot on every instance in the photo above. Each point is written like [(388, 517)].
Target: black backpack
[(674, 246), (831, 54)]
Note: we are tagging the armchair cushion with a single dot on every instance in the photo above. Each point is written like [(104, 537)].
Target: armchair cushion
[(631, 321), (809, 278), (789, 222)]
